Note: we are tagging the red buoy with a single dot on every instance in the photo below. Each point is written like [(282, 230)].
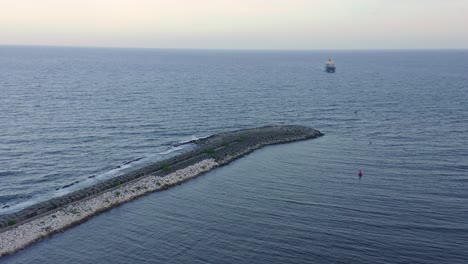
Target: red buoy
[(360, 173)]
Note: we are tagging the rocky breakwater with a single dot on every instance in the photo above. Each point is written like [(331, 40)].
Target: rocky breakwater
[(20, 229)]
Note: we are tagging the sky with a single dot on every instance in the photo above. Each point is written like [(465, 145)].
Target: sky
[(237, 24)]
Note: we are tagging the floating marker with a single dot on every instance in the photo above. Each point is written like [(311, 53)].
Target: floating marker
[(360, 173)]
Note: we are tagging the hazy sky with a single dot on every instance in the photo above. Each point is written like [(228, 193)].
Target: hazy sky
[(237, 24)]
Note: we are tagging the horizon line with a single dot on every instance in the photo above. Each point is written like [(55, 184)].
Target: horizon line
[(231, 49)]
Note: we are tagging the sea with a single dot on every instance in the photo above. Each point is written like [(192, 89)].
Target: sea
[(71, 117)]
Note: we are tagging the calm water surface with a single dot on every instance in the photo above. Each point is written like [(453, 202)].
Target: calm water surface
[(400, 116)]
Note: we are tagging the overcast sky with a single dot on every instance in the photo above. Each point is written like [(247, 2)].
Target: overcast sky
[(237, 24)]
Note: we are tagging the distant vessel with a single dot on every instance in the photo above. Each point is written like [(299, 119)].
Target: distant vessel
[(330, 66)]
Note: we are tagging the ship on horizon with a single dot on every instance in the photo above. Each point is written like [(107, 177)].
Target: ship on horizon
[(330, 66)]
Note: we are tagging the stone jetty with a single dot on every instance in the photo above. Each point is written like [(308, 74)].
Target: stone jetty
[(20, 229)]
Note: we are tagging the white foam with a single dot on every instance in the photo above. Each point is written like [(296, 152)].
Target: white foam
[(171, 149), (191, 139), (19, 206)]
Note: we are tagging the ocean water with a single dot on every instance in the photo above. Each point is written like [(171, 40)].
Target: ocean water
[(83, 114)]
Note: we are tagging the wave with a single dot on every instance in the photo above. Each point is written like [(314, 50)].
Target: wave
[(72, 186), (171, 149), (192, 139), (164, 152)]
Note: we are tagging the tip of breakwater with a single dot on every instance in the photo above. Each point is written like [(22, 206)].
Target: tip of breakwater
[(211, 152)]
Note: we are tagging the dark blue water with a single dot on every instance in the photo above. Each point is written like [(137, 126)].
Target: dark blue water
[(399, 116)]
